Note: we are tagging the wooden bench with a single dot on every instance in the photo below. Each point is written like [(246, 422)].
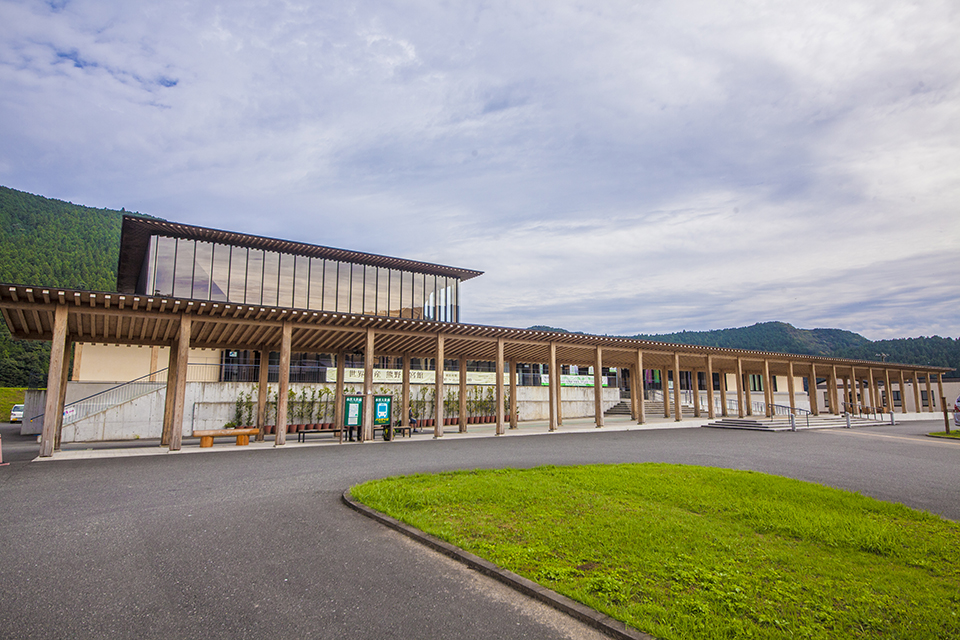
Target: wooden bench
[(207, 435), (302, 434)]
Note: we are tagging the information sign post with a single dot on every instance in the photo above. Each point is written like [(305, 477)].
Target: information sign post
[(382, 412), (352, 414)]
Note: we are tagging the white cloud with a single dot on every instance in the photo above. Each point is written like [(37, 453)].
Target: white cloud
[(619, 167)]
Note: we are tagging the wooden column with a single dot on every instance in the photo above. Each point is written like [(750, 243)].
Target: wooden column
[(873, 389), (369, 357), (598, 387), (747, 397), (183, 354), (695, 383), (500, 390), (665, 390), (858, 393), (633, 392), (64, 376), (846, 395), (888, 391), (556, 366), (903, 393), (262, 383), (513, 394), (930, 403), (916, 392), (173, 355), (832, 396), (53, 406), (814, 405), (677, 407), (338, 393), (438, 387), (283, 391), (767, 390), (940, 389), (723, 393), (554, 382), (791, 386), (711, 402), (154, 362), (740, 395), (463, 394), (641, 408), (405, 392), (78, 358)]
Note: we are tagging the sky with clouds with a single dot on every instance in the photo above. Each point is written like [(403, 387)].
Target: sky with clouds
[(613, 167)]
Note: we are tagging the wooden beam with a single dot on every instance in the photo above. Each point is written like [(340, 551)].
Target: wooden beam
[(814, 408), (52, 407), (597, 387), (173, 355), (438, 387), (791, 386), (283, 390), (500, 390), (740, 394), (262, 383), (678, 408), (554, 382), (513, 394), (183, 354), (462, 397), (338, 393), (641, 408), (711, 409)]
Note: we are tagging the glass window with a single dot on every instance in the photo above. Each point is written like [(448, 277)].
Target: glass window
[(455, 303), (406, 294), (343, 287), (285, 280), (370, 291), (417, 302), (203, 265), (301, 281), (383, 292), (394, 305), (315, 296), (183, 275), (166, 255), (148, 270), (429, 297), (356, 289), (330, 283), (238, 274), (254, 289), (221, 272), (271, 278)]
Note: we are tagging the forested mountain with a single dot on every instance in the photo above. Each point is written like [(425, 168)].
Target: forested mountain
[(785, 338), (51, 243)]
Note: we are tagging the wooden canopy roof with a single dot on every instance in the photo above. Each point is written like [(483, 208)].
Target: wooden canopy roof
[(117, 318), (136, 232)]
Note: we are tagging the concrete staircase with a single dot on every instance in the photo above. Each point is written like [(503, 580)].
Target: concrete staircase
[(782, 423), (650, 407)]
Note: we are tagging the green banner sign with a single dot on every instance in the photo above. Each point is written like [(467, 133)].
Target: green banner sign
[(352, 411)]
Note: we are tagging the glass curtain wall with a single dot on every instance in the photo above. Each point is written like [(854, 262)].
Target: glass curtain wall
[(209, 271)]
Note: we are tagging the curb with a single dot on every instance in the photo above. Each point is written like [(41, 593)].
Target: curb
[(583, 613)]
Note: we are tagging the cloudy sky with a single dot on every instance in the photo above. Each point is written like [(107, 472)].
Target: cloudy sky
[(613, 167)]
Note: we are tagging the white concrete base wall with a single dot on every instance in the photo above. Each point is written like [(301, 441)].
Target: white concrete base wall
[(209, 405)]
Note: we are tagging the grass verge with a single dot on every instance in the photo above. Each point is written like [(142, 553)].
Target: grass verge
[(943, 434), (695, 552), (10, 396)]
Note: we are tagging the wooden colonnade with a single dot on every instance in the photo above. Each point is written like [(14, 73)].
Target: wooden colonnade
[(71, 316)]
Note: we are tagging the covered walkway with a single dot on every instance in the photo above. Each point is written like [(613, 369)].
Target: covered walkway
[(66, 316)]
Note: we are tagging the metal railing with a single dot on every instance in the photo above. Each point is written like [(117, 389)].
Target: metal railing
[(114, 396)]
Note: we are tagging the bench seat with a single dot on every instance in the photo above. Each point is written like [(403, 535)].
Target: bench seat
[(207, 435)]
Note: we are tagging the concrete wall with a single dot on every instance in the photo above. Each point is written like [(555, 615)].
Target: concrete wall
[(211, 405), (122, 363)]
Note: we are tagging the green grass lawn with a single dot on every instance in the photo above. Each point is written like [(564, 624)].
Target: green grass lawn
[(9, 396), (954, 433), (695, 552)]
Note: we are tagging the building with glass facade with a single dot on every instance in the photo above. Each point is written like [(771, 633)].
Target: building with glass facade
[(166, 259)]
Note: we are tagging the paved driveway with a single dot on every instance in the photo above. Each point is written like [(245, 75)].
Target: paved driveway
[(257, 544)]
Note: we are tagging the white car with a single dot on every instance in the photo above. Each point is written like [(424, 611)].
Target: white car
[(16, 413)]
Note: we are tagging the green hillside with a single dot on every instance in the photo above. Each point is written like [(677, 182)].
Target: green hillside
[(51, 243)]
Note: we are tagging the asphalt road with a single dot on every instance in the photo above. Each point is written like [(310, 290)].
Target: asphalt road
[(254, 544)]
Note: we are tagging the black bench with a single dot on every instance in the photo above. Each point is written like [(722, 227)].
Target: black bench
[(302, 435)]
